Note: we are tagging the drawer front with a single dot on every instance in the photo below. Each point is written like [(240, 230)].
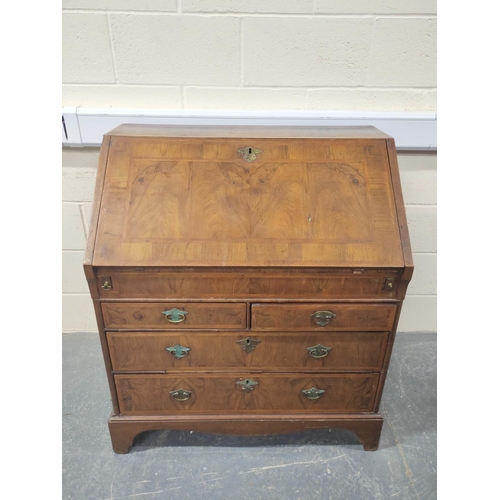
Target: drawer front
[(162, 394), (346, 351), (243, 284), (164, 316), (340, 317)]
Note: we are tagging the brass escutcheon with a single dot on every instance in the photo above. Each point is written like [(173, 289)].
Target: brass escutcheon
[(319, 351), (178, 351), (175, 315), (322, 318), (248, 344), (249, 154), (313, 393), (180, 394), (247, 384)]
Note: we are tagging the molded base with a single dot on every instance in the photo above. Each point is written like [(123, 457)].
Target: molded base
[(124, 429)]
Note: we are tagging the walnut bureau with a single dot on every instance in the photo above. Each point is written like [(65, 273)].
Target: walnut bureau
[(247, 280)]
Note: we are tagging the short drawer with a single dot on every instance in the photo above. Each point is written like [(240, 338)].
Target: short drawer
[(348, 351), (333, 316), (162, 315), (244, 392)]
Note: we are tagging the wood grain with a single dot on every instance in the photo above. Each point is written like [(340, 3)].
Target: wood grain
[(198, 315), (402, 221), (149, 394), (253, 131), (367, 427), (246, 283), (96, 203), (198, 203), (271, 202), (298, 317), (350, 351), (250, 250)]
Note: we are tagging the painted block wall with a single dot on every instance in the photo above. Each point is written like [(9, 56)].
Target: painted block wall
[(354, 55), (366, 55)]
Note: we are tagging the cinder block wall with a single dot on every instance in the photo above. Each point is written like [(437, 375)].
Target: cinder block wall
[(361, 55)]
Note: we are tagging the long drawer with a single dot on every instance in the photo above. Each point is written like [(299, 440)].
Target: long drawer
[(162, 315), (167, 394), (247, 284), (333, 316), (349, 351)]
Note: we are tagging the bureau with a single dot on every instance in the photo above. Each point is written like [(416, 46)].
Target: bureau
[(247, 280)]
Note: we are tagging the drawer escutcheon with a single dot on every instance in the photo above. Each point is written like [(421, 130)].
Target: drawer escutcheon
[(248, 344), (247, 384), (249, 154)]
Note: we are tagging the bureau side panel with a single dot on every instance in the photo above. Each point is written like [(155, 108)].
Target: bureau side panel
[(96, 204), (402, 221), (106, 356), (387, 358)]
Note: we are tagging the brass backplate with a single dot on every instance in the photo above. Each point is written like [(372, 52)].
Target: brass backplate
[(180, 394), (313, 393), (319, 351), (322, 318), (105, 282), (178, 351), (175, 315)]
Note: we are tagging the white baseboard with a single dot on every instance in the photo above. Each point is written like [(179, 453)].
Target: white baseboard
[(85, 127)]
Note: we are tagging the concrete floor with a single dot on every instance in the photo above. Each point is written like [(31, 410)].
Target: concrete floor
[(313, 465)]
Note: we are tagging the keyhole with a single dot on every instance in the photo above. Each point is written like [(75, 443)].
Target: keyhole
[(247, 381), (248, 341), (250, 151)]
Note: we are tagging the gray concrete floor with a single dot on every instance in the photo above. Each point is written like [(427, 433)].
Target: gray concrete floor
[(316, 465)]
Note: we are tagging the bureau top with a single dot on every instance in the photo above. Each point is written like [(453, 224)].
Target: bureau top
[(249, 196), (249, 131)]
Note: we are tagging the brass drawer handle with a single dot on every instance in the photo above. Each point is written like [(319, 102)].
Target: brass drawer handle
[(174, 315), (181, 394), (247, 384), (322, 318), (106, 285), (313, 393), (319, 351), (248, 344), (178, 351), (389, 284)]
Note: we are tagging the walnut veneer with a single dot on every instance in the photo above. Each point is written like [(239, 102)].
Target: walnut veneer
[(247, 280)]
